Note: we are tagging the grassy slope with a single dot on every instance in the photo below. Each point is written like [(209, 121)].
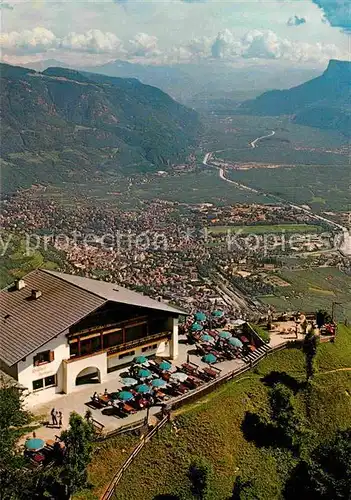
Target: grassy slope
[(211, 427)]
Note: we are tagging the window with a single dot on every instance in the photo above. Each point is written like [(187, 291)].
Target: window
[(136, 332), (113, 339), (149, 348), (38, 384), (44, 382), (85, 347), (48, 381), (126, 354), (43, 357), (73, 349)]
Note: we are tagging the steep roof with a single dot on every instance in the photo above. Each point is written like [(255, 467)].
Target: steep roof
[(28, 324)]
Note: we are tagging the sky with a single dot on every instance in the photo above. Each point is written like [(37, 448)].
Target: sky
[(298, 32)]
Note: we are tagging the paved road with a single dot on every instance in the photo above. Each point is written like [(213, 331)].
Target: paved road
[(253, 143), (343, 243)]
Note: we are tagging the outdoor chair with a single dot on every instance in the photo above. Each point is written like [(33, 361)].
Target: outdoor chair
[(192, 382), (189, 368)]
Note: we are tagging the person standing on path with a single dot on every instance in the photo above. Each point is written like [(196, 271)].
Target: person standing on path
[(53, 416), (60, 419)]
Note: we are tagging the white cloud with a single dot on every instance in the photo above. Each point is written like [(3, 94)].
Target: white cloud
[(144, 45), (36, 40), (256, 44), (94, 41), (227, 46)]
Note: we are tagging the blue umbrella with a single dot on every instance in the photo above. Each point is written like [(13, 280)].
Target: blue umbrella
[(143, 389), (141, 360), (125, 396), (34, 444), (217, 313), (206, 338), (195, 327), (144, 373), (200, 316), (158, 382), (235, 342), (209, 358), (225, 335), (164, 365), (129, 381)]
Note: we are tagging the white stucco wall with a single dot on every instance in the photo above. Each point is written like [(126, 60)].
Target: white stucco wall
[(27, 372), (71, 369), (174, 348)]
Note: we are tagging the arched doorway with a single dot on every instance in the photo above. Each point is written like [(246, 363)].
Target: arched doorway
[(89, 375)]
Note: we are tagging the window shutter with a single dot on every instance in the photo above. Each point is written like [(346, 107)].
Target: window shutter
[(52, 356)]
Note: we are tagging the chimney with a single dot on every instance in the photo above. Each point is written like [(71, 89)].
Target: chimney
[(36, 294), (19, 284)]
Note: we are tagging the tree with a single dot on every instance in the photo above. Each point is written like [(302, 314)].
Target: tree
[(77, 456), (14, 478), (323, 317), (284, 415), (244, 490), (310, 350), (200, 474), (327, 474)]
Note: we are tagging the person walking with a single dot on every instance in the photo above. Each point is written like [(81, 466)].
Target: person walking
[(53, 416), (60, 419)]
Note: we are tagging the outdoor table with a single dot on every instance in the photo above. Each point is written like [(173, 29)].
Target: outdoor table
[(104, 398), (244, 339), (210, 372), (189, 368), (160, 395), (38, 457), (128, 409)]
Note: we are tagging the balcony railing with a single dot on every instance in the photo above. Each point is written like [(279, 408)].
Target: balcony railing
[(126, 346), (138, 342)]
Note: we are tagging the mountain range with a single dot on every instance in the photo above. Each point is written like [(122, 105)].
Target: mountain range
[(61, 123), (323, 102), (197, 83)]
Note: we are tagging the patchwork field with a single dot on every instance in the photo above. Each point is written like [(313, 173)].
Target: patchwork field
[(312, 289), (263, 229)]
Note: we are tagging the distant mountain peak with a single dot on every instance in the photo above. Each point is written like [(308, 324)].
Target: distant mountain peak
[(324, 102), (338, 69)]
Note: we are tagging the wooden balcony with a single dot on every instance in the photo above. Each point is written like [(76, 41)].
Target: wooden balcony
[(126, 346)]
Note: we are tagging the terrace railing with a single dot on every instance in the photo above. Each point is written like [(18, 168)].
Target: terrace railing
[(176, 403), (110, 490)]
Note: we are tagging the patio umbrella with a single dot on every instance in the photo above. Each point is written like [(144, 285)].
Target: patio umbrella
[(238, 322), (125, 396), (141, 360), (164, 365), (209, 358), (225, 335), (129, 381), (235, 342), (34, 444), (206, 338), (179, 376), (158, 382), (144, 373), (217, 313), (195, 327), (143, 389), (200, 316)]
